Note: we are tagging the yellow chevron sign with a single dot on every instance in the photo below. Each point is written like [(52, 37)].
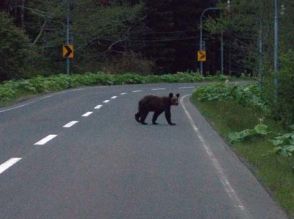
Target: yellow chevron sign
[(68, 51), (201, 56)]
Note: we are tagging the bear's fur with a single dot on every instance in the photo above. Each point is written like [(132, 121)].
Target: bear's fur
[(157, 105)]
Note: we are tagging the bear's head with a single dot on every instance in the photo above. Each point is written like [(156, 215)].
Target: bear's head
[(174, 100)]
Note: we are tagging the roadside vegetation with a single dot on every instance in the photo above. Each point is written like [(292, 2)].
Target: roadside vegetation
[(13, 90), (244, 116)]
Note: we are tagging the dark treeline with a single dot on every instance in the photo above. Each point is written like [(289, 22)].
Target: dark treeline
[(114, 36)]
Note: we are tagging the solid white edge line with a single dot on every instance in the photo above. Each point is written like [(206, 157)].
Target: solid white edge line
[(98, 107), (9, 163), (70, 124), (219, 170), (38, 100), (45, 140), (106, 101), (87, 114)]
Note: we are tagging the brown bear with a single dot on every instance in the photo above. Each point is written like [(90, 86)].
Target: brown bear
[(157, 105)]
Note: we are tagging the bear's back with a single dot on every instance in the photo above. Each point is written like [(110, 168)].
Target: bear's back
[(153, 103)]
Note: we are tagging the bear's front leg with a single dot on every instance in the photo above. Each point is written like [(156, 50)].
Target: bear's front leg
[(155, 116), (168, 117)]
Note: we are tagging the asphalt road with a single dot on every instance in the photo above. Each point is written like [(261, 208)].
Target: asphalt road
[(104, 164)]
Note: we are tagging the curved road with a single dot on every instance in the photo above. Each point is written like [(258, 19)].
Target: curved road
[(81, 154)]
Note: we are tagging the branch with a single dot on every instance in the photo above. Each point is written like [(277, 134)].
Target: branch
[(40, 32)]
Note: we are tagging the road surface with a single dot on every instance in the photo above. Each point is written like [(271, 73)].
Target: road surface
[(81, 154)]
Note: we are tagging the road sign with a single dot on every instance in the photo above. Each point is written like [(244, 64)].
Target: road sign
[(68, 51), (201, 56)]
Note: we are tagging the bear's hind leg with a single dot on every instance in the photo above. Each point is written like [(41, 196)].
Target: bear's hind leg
[(137, 117), (143, 117)]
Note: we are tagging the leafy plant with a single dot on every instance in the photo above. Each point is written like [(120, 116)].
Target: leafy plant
[(246, 95), (259, 130), (284, 144)]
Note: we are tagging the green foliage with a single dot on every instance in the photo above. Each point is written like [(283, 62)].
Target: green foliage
[(258, 130), (246, 95), (276, 172), (13, 89), (14, 49), (284, 144), (283, 108)]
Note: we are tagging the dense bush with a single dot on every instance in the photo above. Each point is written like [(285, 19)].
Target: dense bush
[(14, 50), (246, 95), (12, 89), (283, 106)]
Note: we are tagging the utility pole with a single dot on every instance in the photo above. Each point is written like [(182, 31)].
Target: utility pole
[(67, 35), (222, 53), (201, 35), (276, 48)]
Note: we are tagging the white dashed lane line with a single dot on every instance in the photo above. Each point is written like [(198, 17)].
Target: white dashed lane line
[(87, 114), (70, 124), (98, 107), (186, 87), (136, 91), (9, 163), (45, 140), (160, 88), (12, 161)]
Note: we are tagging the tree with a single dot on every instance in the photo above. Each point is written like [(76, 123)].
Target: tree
[(249, 27), (15, 50), (173, 33), (102, 32)]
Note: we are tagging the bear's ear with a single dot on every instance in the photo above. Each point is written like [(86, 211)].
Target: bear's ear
[(171, 95), (177, 95)]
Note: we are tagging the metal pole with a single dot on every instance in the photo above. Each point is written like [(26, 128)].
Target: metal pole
[(276, 49), (67, 35), (260, 51), (222, 53), (200, 42), (201, 34)]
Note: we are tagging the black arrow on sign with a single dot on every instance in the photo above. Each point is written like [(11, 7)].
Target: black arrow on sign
[(68, 51)]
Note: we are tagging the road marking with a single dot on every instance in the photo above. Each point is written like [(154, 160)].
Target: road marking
[(70, 124), (186, 87), (87, 114), (98, 106), (9, 163), (123, 93), (38, 100), (219, 170), (26, 104), (114, 97), (136, 91), (106, 101), (45, 140), (160, 88)]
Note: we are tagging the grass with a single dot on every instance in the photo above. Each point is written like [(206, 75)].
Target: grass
[(276, 173)]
